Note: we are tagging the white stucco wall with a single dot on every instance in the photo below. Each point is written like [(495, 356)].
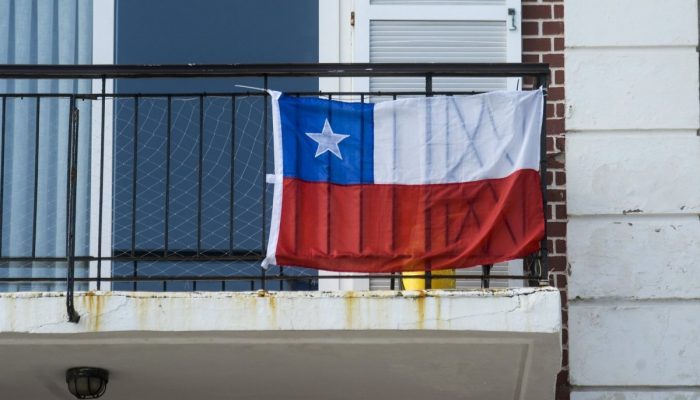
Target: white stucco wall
[(633, 173)]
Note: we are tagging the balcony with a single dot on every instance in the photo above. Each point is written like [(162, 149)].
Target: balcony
[(133, 226)]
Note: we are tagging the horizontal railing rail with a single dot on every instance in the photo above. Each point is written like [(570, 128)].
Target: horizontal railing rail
[(29, 71), (153, 179)]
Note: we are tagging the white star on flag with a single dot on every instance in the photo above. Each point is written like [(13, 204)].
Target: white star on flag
[(327, 140)]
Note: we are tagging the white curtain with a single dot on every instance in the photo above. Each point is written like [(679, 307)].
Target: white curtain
[(43, 32)]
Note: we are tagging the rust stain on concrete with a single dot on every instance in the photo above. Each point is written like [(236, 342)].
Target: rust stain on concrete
[(420, 308), (272, 304), (438, 311), (350, 303), (94, 305)]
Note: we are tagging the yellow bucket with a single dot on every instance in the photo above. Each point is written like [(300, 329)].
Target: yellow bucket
[(419, 284)]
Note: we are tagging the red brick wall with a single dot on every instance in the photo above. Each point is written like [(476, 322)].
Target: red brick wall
[(543, 41)]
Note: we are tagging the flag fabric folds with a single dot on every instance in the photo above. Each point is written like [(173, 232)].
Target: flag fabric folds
[(406, 185)]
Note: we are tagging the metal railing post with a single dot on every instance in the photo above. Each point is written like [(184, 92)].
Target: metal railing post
[(542, 82), (263, 244), (102, 178), (428, 212), (71, 218)]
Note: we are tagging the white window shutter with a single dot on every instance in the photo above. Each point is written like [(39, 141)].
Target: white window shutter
[(470, 31)]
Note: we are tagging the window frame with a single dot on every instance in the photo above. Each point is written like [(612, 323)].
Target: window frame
[(103, 46)]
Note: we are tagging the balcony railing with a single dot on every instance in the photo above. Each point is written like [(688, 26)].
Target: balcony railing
[(103, 189)]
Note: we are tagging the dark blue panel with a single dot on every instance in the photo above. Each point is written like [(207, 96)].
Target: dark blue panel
[(215, 31), (303, 118)]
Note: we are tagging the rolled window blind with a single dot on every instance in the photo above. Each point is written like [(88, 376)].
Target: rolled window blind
[(406, 41)]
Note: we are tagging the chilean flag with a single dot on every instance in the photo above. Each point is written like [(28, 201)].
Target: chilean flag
[(406, 185)]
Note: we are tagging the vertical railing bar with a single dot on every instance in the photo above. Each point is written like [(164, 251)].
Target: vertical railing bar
[(168, 140), (2, 169), (329, 186), (392, 284), (281, 281), (200, 156), (362, 142), (133, 189), (69, 258), (232, 176), (36, 173), (69, 167), (447, 205), (362, 180), (486, 276), (71, 183), (102, 178), (281, 269), (264, 181), (542, 82), (428, 216), (297, 193)]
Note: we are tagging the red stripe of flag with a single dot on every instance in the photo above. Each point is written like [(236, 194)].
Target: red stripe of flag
[(382, 228)]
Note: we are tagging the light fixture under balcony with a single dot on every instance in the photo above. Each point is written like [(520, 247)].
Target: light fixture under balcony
[(87, 382)]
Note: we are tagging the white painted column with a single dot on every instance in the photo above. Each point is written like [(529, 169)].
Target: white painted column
[(633, 182)]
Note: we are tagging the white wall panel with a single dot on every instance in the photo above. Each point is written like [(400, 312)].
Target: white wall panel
[(634, 257), (632, 89), (631, 23), (633, 174), (634, 344)]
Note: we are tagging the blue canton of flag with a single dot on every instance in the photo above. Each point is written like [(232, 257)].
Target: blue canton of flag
[(327, 141)]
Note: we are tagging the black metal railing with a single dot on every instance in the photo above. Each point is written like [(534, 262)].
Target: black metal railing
[(167, 191)]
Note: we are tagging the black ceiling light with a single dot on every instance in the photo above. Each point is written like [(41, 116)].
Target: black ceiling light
[(87, 382)]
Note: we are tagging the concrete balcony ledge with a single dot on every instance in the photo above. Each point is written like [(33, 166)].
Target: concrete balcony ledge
[(486, 344), (534, 310)]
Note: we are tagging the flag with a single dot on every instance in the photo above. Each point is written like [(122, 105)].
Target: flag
[(406, 185)]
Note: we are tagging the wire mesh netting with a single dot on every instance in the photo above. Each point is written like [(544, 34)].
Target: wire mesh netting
[(189, 193)]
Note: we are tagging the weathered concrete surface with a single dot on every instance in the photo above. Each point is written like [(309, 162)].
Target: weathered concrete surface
[(647, 23), (633, 343), (508, 310), (618, 257), (631, 88), (299, 365), (495, 344), (633, 174)]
